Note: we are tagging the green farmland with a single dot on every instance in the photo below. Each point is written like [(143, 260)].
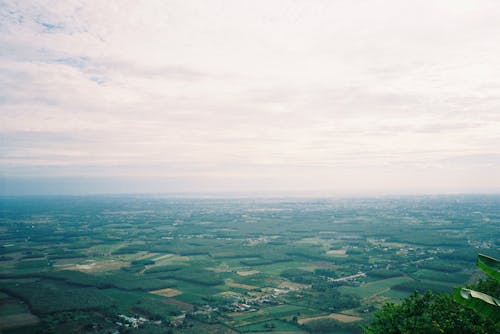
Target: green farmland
[(156, 265)]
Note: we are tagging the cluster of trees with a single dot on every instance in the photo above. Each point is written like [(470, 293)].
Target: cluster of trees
[(194, 275), (475, 310), (328, 298), (330, 326), (298, 275), (47, 297), (324, 294), (429, 313)]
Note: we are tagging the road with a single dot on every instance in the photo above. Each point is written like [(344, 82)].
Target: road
[(346, 278)]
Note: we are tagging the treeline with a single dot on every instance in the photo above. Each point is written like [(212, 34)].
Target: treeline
[(260, 261), (331, 326), (164, 268), (384, 273), (193, 275), (119, 280), (49, 296), (422, 287)]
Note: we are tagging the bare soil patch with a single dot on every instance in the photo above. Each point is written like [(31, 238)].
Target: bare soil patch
[(162, 257), (240, 286), (336, 252), (247, 272), (337, 316), (168, 292), (99, 266), (293, 286)]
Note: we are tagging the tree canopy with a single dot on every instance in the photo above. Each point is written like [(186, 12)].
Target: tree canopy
[(429, 313)]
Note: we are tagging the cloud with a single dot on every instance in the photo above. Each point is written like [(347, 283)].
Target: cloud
[(285, 94)]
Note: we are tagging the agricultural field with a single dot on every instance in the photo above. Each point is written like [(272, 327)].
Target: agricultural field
[(135, 264)]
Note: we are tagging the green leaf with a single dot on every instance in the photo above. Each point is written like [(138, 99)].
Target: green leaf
[(482, 303), (489, 265), (468, 293)]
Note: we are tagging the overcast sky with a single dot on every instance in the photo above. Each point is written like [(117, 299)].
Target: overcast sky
[(311, 97)]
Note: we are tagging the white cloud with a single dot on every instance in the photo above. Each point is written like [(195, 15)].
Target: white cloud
[(287, 94)]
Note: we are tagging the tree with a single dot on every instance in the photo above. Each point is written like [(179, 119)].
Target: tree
[(469, 310), (429, 313), (269, 325)]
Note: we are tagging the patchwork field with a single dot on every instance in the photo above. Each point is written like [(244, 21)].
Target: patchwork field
[(230, 265)]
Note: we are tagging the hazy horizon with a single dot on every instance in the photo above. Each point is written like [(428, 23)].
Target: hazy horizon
[(112, 187), (339, 98)]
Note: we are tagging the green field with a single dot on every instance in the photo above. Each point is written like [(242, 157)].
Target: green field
[(447, 278), (375, 287), (213, 265)]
